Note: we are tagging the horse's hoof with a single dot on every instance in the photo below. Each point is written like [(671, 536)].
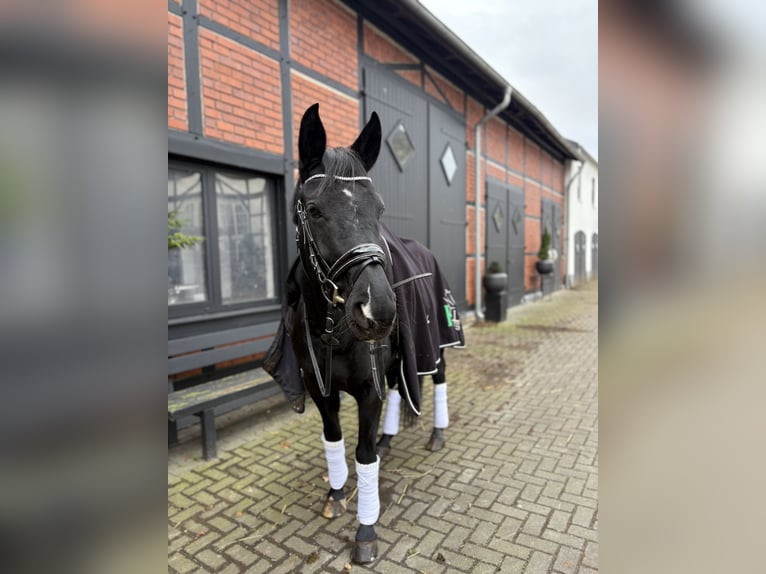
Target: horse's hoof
[(437, 440), (298, 404), (334, 508), (365, 551)]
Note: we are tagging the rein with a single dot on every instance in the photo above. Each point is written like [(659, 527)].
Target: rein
[(361, 255)]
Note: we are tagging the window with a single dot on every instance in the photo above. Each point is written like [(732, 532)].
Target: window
[(232, 261), (186, 266), (245, 246), (449, 164), (400, 144), (498, 218)]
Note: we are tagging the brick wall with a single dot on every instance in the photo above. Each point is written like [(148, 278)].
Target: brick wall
[(177, 118), (533, 161), (532, 198), (495, 171), (242, 97), (323, 37), (474, 113), (241, 94), (515, 150), (340, 113), (255, 19), (496, 141), (383, 49), (514, 180)]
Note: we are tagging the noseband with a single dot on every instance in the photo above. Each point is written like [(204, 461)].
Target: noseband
[(327, 275)]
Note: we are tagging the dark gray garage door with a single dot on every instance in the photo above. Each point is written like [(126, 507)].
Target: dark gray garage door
[(446, 172), (401, 173), (421, 170), (505, 234)]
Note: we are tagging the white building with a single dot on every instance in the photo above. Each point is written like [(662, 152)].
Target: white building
[(582, 218)]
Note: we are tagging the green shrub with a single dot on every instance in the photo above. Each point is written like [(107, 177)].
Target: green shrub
[(494, 267), (545, 246)]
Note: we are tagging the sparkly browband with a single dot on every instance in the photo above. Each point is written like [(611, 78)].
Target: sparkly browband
[(340, 177)]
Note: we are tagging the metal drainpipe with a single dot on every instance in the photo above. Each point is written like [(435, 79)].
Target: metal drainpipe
[(477, 205), (567, 200)]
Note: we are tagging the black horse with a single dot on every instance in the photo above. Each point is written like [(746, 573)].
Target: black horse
[(342, 330), (361, 303)]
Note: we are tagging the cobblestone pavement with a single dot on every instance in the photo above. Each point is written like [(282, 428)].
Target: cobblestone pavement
[(515, 489)]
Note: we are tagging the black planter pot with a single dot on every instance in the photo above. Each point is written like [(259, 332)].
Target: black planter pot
[(544, 266), (495, 282)]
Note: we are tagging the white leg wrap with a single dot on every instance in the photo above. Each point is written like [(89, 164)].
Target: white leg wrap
[(391, 420), (441, 413), (337, 469), (369, 500)]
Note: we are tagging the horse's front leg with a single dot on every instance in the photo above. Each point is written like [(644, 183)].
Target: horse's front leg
[(367, 469), (335, 453)]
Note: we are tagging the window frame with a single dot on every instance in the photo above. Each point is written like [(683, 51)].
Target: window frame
[(214, 306)]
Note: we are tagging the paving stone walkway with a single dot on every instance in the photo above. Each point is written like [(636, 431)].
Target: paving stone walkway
[(515, 489)]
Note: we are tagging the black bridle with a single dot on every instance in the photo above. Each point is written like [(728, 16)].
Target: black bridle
[(327, 276)]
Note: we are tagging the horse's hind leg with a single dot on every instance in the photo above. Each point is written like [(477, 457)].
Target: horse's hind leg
[(391, 416), (367, 469), (335, 455), (441, 412)]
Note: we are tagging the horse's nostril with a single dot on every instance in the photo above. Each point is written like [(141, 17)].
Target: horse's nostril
[(371, 323)]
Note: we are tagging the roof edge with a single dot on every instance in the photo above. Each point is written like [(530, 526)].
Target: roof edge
[(488, 71), (581, 151)]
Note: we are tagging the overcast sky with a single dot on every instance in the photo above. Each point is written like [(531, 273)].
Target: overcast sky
[(548, 50)]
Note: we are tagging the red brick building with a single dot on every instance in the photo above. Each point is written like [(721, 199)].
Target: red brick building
[(240, 75)]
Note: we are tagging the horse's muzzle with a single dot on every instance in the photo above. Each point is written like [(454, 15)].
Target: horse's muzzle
[(371, 306)]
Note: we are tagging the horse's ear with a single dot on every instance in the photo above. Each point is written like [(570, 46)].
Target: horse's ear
[(312, 141), (367, 145)]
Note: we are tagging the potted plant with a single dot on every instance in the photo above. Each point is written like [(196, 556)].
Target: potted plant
[(176, 238), (544, 264), (495, 280)]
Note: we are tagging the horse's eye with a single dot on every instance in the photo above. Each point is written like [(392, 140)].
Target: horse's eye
[(314, 212)]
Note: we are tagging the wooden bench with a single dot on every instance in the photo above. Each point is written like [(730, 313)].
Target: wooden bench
[(206, 352)]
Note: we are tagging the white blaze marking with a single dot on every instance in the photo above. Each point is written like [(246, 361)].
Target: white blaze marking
[(348, 193), (366, 308)]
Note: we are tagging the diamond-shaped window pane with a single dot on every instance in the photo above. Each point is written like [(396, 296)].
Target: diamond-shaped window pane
[(498, 217), (516, 220), (449, 164), (400, 144)]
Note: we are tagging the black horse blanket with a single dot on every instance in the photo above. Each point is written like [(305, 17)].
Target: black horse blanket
[(427, 320)]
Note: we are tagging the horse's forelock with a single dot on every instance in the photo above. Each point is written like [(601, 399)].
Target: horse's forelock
[(343, 162), (337, 162)]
